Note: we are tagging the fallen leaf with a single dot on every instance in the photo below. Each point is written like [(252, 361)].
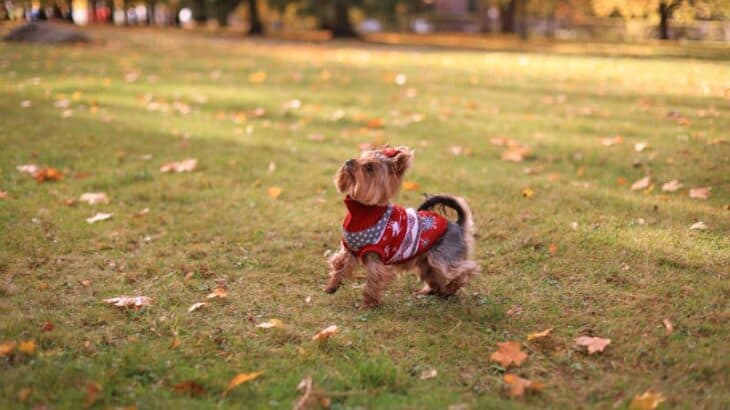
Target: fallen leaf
[(240, 378), (24, 393), (620, 181), (100, 216), (85, 282), (93, 198), (129, 301), (552, 248), (527, 192), (141, 213), (7, 347), (3, 194), (539, 335), (272, 167), (668, 326), (518, 386), (640, 146), (186, 165), (27, 347), (271, 323), (92, 394), (219, 292), (31, 169), (515, 310), (47, 327), (196, 306), (274, 192), (411, 186), (325, 334), (698, 226), (400, 79), (428, 374), (509, 353), (611, 141), (515, 154), (594, 344), (175, 343), (48, 174), (456, 150), (700, 193), (647, 401), (641, 184), (375, 123), (672, 186), (257, 77), (189, 388)]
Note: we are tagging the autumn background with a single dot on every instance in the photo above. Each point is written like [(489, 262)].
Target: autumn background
[(166, 203)]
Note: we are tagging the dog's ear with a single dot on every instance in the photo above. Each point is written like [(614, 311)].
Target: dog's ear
[(401, 159)]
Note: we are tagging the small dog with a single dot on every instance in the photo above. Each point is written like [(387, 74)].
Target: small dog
[(381, 234)]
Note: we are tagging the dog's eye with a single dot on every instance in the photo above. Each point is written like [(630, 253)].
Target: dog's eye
[(369, 167)]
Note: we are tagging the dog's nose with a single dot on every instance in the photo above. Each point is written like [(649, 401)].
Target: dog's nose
[(350, 163)]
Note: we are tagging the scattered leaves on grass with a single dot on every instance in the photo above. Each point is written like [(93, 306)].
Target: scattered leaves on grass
[(509, 353), (189, 388), (411, 186), (641, 184), (325, 334), (518, 386), (428, 374), (47, 327), (668, 326), (611, 141), (218, 293), (274, 192), (700, 193), (698, 226), (27, 347), (93, 198), (646, 401), (539, 335), (271, 323), (672, 186), (7, 347), (594, 344), (196, 306), (186, 165), (527, 192), (48, 174), (129, 301), (239, 379), (100, 216)]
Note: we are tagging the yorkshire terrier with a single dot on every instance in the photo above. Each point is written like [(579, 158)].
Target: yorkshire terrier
[(381, 234)]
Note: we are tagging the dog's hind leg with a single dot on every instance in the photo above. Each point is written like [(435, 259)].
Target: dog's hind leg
[(341, 266), (378, 278)]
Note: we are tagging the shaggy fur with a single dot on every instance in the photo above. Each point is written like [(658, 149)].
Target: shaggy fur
[(375, 179)]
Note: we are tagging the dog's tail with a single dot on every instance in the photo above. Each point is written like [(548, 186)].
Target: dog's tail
[(464, 217)]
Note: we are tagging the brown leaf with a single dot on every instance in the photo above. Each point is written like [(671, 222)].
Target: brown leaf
[(518, 386), (189, 388), (47, 327), (175, 343), (552, 248), (594, 344), (509, 353), (48, 174), (239, 379), (647, 401), (641, 184), (129, 301), (92, 394), (24, 393), (539, 335), (700, 193), (325, 334)]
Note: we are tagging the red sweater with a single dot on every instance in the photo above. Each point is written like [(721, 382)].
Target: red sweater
[(395, 233)]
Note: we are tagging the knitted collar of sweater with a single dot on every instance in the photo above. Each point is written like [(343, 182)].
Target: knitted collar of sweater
[(361, 216)]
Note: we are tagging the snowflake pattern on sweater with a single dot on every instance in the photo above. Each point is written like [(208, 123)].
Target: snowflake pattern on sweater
[(395, 233)]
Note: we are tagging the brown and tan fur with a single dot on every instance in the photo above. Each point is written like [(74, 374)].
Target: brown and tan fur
[(374, 179)]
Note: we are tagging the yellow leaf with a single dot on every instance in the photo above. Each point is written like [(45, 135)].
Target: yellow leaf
[(539, 335), (527, 192), (647, 401), (274, 192), (240, 378), (27, 347), (411, 186)]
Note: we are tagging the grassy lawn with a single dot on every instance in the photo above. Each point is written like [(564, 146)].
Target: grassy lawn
[(580, 253)]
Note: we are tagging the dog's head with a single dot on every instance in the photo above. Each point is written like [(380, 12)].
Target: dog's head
[(374, 178)]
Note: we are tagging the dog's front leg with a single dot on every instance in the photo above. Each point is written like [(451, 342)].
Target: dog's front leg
[(378, 278), (341, 265)]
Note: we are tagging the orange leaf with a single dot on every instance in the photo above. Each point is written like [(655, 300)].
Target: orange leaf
[(240, 378), (517, 385), (527, 192), (7, 347), (325, 334), (375, 123), (509, 353), (411, 186), (257, 77), (552, 248), (48, 174), (274, 192), (647, 401), (27, 347), (218, 292), (594, 344), (24, 393), (92, 394)]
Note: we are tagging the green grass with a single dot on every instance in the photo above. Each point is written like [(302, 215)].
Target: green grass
[(612, 276)]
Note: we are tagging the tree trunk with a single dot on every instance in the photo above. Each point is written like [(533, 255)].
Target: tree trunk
[(507, 16), (522, 23), (199, 14), (254, 19), (341, 26), (221, 15), (666, 10)]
